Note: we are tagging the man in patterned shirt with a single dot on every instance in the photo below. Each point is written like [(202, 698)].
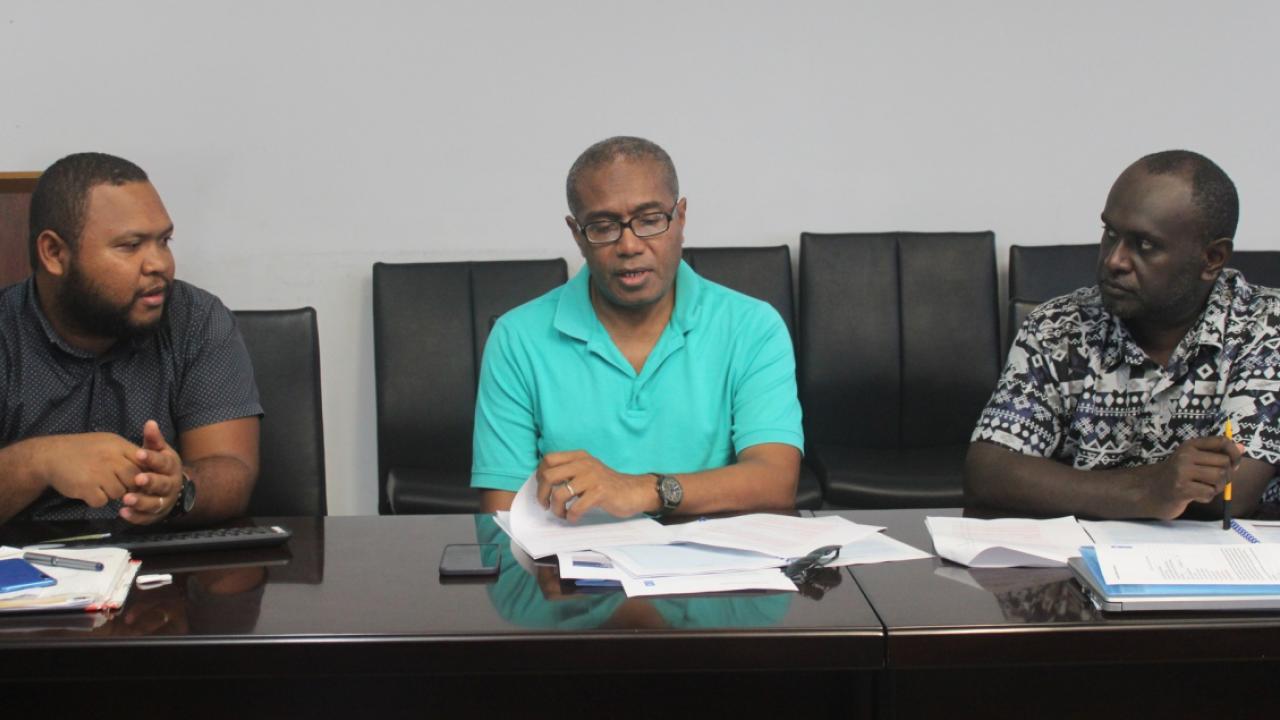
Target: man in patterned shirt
[(1114, 399), (123, 392)]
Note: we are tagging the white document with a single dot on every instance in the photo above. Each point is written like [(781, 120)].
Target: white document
[(587, 565), (1007, 542), (771, 579), (1170, 532), (543, 534), (1156, 564), (503, 520), (876, 548), (781, 536), (686, 559), (1267, 531)]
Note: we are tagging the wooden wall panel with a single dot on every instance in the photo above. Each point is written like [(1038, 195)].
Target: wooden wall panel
[(15, 201)]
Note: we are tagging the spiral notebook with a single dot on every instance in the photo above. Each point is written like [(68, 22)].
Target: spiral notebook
[(1190, 532)]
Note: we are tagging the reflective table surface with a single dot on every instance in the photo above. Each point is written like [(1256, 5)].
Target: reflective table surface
[(1027, 642), (355, 593)]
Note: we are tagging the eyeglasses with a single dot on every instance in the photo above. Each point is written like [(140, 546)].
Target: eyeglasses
[(607, 232), (798, 570)]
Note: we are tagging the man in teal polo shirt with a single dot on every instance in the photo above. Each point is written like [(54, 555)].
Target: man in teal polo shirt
[(637, 386)]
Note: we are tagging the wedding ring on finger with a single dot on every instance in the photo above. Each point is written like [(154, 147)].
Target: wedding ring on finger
[(569, 486)]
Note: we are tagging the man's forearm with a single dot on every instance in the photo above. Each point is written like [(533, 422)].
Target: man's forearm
[(223, 486), (763, 478), (19, 481), (745, 485), (1000, 479)]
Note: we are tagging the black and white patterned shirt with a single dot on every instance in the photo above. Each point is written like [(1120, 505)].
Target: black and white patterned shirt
[(194, 371), (1078, 389)]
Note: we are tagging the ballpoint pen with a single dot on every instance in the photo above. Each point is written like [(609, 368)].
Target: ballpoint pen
[(1226, 491), (56, 561), (62, 541)]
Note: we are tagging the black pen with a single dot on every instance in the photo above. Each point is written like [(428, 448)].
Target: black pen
[(56, 561)]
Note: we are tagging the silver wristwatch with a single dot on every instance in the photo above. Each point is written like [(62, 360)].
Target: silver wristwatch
[(670, 492)]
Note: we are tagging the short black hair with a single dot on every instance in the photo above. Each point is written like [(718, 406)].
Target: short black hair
[(1213, 192), (61, 196), (610, 149)]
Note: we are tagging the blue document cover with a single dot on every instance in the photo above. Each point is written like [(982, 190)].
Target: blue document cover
[(1120, 591)]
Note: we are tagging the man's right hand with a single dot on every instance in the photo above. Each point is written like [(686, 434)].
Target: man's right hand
[(1196, 472), (93, 467)]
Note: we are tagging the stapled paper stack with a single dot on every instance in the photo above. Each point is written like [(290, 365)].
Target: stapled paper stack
[(1007, 542)]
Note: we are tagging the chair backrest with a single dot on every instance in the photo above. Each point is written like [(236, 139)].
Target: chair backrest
[(285, 348), (1260, 267), (430, 324), (761, 272), (1042, 272), (899, 336)]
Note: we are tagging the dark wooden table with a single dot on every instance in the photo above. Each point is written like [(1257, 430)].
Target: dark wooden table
[(1028, 643), (352, 616)]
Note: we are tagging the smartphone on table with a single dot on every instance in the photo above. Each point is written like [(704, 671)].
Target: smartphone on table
[(470, 560), (18, 574)]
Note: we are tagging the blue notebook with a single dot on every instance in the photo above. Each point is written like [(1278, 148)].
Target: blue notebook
[(1119, 598)]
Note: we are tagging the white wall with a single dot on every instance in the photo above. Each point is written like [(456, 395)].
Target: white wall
[(296, 143)]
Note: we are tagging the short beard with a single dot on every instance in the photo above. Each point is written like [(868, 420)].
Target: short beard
[(85, 309), (1184, 299)]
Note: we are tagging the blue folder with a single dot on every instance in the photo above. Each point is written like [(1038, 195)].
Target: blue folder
[(1168, 597)]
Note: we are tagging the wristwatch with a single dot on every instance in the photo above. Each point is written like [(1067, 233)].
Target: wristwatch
[(670, 492), (186, 498)]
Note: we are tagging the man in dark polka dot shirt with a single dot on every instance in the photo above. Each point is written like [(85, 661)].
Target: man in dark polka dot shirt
[(1115, 398), (125, 392)]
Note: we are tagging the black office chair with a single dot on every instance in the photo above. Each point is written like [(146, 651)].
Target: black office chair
[(1260, 267), (899, 351), (1042, 272), (1039, 273), (430, 323), (285, 348), (765, 274)]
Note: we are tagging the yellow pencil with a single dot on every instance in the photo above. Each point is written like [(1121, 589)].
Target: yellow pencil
[(1226, 492)]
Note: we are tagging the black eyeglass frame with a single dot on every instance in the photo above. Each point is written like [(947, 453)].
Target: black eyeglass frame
[(798, 570), (670, 215)]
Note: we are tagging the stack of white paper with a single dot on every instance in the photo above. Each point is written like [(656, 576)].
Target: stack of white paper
[(1008, 542), (781, 536), (86, 590), (542, 534), (738, 553)]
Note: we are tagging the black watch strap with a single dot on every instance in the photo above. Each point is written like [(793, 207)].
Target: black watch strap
[(185, 499)]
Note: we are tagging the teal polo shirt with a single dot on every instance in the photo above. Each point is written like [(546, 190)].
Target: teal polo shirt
[(720, 379)]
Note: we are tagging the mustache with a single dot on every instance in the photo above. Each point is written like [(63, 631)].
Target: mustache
[(165, 287)]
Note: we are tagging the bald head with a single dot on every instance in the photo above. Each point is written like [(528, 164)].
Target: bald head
[(618, 148), (1212, 192)]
